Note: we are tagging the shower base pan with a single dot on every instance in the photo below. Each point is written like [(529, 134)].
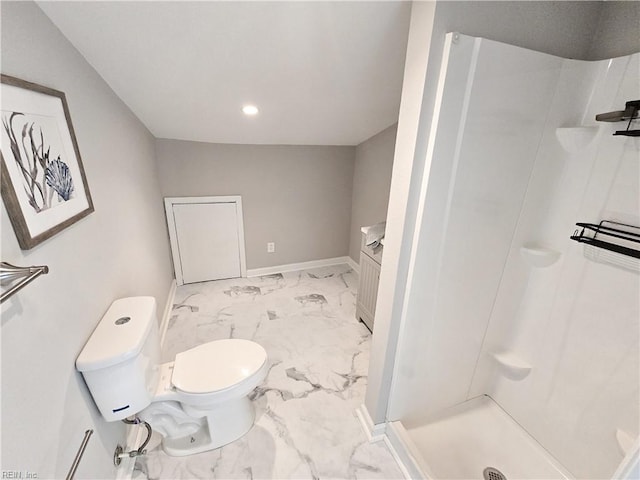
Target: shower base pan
[(474, 440)]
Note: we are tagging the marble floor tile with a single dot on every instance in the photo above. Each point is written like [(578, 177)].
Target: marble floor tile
[(305, 427)]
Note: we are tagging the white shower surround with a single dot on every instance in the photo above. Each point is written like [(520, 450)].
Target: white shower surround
[(501, 180)]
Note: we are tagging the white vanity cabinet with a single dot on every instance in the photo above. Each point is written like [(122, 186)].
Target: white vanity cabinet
[(370, 260)]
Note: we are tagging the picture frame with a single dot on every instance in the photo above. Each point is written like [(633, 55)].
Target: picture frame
[(42, 178)]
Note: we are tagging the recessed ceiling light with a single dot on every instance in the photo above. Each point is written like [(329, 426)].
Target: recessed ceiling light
[(250, 110)]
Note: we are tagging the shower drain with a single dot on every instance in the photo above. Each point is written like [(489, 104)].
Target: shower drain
[(491, 473)]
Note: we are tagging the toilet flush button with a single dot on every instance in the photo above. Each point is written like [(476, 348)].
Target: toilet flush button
[(122, 320)]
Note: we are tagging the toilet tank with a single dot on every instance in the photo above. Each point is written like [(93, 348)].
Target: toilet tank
[(120, 361)]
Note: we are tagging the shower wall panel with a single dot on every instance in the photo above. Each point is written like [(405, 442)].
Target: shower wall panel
[(576, 321), (516, 160), (495, 100)]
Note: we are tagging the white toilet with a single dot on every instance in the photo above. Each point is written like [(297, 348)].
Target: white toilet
[(198, 402)]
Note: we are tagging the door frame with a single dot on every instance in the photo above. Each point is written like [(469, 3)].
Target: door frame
[(169, 202)]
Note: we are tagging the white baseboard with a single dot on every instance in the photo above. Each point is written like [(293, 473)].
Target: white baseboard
[(354, 266), (166, 315), (383, 432), (405, 453), (401, 465), (374, 432), (292, 267)]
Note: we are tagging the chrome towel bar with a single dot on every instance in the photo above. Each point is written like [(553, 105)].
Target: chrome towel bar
[(10, 273), (76, 461)]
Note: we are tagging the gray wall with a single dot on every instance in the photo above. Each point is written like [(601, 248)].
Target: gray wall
[(562, 28), (618, 31), (371, 183), (119, 250), (296, 196)]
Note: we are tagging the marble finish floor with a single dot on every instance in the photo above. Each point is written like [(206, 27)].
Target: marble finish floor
[(306, 427)]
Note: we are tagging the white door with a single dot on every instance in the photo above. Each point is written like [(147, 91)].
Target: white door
[(207, 241)]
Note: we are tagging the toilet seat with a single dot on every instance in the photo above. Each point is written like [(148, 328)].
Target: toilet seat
[(216, 371)]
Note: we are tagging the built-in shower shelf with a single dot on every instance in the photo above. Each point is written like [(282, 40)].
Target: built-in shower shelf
[(625, 441), (574, 139), (538, 256), (512, 365)]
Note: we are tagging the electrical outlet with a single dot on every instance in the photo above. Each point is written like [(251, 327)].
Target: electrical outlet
[(271, 247)]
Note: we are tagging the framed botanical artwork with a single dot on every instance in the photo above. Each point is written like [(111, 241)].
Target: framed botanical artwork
[(44, 187)]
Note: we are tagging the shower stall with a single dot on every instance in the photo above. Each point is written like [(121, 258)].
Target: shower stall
[(519, 353)]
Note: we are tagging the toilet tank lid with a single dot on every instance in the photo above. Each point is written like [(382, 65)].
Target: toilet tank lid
[(120, 335)]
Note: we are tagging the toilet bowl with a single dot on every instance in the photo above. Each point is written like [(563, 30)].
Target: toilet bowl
[(209, 383), (197, 402)]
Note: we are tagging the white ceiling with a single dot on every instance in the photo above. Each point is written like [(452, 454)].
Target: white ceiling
[(321, 73)]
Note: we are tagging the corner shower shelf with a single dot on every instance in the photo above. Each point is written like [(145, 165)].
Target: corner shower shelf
[(538, 256), (513, 366), (574, 139)]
